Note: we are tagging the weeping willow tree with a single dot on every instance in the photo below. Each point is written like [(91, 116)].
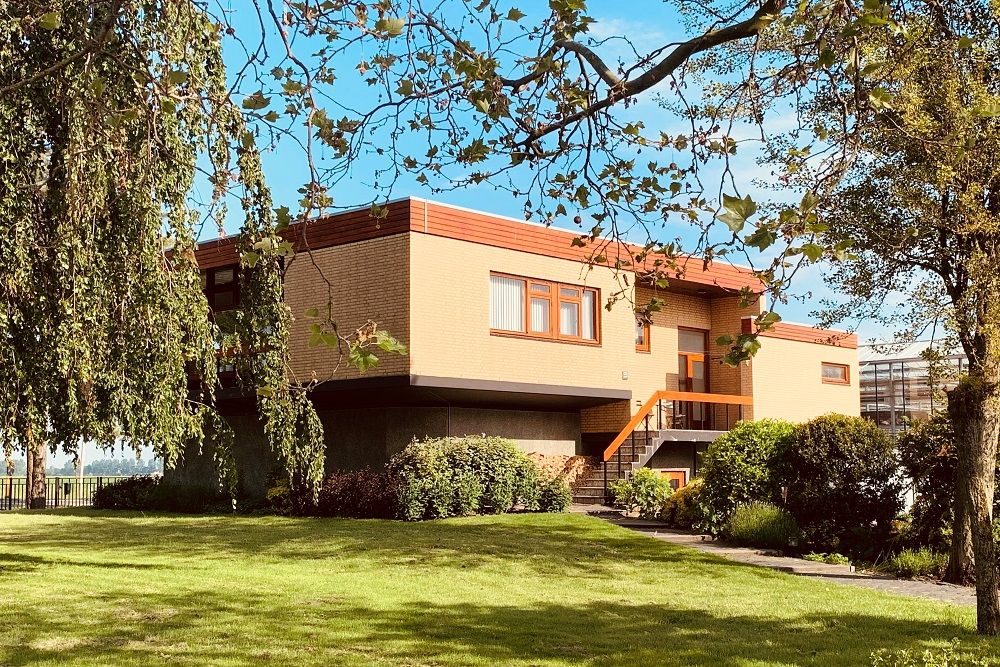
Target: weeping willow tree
[(110, 110)]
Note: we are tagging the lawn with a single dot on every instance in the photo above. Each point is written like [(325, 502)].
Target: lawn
[(83, 587)]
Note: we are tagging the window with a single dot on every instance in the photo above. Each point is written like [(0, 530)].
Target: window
[(836, 373), (692, 340), (641, 335), (222, 288), (543, 309)]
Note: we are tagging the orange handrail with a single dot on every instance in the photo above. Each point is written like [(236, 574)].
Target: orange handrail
[(687, 396)]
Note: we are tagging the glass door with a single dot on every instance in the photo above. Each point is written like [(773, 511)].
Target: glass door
[(692, 372)]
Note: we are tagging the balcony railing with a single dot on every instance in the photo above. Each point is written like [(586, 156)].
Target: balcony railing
[(682, 410)]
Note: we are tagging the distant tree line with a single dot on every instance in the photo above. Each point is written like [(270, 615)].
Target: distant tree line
[(101, 467)]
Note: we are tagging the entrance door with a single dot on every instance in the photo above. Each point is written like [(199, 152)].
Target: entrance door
[(693, 377)]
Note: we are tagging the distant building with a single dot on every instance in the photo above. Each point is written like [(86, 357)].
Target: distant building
[(899, 383)]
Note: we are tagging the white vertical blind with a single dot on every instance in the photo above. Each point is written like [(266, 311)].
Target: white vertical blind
[(569, 318), (589, 316), (540, 315), (506, 303)]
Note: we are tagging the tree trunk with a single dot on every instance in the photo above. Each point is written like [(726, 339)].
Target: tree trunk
[(35, 491), (961, 562), (974, 407)]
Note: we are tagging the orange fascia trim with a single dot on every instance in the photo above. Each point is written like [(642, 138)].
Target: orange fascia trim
[(806, 334), (426, 217)]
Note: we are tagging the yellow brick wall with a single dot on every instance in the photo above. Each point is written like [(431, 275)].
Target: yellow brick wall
[(727, 315), (787, 382), (450, 334), (370, 280)]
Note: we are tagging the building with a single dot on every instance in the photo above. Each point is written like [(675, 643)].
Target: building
[(900, 383), (507, 335)]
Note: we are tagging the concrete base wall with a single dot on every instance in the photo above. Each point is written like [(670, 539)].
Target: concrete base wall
[(368, 437), (255, 463), (679, 455)]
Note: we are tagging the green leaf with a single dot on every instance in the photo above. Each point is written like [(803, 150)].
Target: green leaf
[(312, 312), (966, 42), (392, 27), (250, 258), (768, 319), (724, 341), (256, 101), (737, 211), (812, 251), (361, 358), (177, 77), (515, 15), (50, 21), (282, 217), (989, 110), (762, 239), (880, 98), (405, 87)]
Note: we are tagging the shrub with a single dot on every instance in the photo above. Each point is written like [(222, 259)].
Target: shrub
[(912, 563), (737, 469), (359, 494), (131, 493), (843, 487), (153, 493), (928, 457), (645, 491), (829, 559), (761, 524), (681, 509), (443, 477), (554, 494)]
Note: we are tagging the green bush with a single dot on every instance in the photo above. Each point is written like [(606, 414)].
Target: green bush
[(442, 477), (927, 455), (554, 495), (843, 487), (829, 559), (131, 493), (738, 469), (761, 524), (912, 563), (682, 509), (645, 491), (360, 494)]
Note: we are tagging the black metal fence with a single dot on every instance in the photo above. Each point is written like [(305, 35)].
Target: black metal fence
[(59, 491)]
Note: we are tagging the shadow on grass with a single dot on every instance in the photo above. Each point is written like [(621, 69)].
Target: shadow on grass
[(213, 627), (584, 547)]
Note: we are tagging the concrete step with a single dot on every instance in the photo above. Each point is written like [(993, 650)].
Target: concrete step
[(587, 500)]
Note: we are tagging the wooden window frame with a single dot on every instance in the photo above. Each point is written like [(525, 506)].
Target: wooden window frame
[(644, 346), (703, 356), (847, 373), (554, 297)]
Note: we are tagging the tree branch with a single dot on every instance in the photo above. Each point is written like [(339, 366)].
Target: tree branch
[(624, 90)]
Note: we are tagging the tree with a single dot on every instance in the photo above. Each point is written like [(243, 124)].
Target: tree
[(922, 210), (107, 110)]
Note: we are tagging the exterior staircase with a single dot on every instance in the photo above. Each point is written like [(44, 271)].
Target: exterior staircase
[(590, 487), (662, 418)]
